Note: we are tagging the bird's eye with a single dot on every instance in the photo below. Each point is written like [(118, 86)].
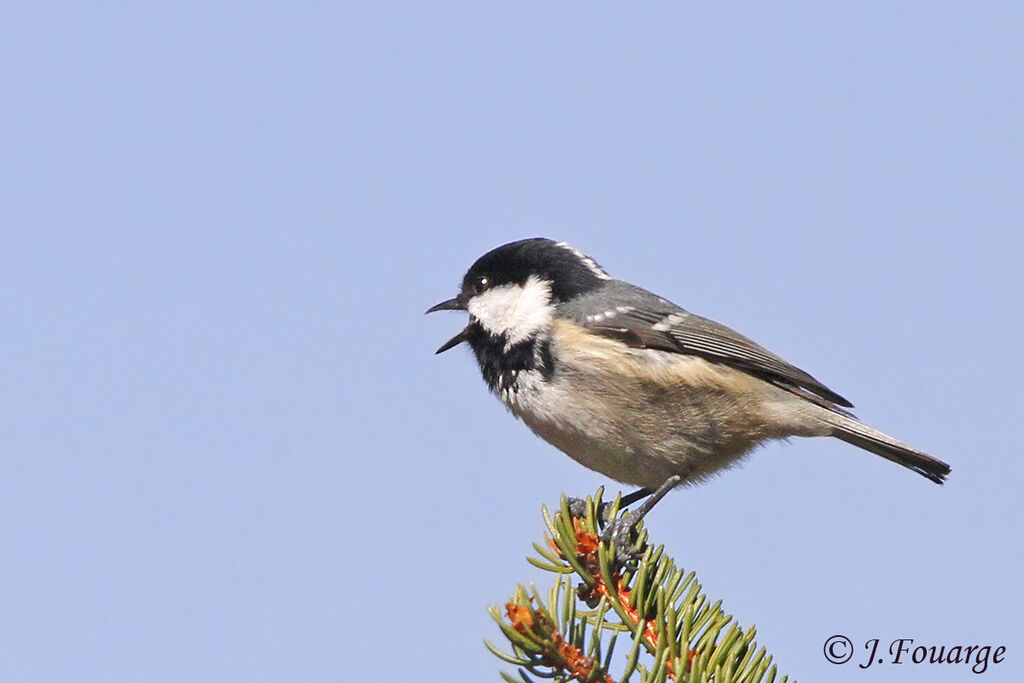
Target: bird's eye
[(481, 284)]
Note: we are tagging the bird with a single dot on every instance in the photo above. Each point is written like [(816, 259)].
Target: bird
[(633, 386)]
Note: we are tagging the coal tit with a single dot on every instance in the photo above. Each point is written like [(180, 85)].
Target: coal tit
[(633, 386)]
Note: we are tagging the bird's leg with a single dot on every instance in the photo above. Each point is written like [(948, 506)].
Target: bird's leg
[(578, 506), (631, 498), (620, 530)]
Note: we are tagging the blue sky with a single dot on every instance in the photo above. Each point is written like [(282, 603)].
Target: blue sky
[(227, 451)]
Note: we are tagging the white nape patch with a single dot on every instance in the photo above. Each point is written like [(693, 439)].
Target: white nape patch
[(590, 263), (518, 312), (670, 321)]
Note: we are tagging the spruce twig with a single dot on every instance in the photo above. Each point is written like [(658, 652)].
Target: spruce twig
[(571, 634)]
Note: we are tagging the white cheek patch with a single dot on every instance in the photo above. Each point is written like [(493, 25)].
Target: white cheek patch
[(515, 311)]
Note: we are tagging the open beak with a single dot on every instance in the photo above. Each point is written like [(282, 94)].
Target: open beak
[(455, 304), (454, 341), (450, 305)]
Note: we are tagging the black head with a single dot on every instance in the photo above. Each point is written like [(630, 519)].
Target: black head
[(569, 271), (511, 291)]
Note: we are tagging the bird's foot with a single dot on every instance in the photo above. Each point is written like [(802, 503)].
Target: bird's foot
[(622, 532), (577, 507)]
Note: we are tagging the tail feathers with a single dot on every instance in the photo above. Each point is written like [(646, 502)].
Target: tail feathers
[(862, 436)]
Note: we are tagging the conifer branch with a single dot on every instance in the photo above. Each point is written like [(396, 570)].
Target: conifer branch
[(674, 633)]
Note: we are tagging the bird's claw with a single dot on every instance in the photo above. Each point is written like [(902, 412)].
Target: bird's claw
[(577, 507), (621, 532)]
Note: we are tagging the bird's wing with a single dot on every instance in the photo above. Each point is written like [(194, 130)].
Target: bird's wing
[(643, 320)]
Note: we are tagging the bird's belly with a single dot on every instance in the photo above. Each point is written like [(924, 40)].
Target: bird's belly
[(608, 456), (639, 437)]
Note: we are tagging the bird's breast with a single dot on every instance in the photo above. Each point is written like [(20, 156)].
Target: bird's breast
[(639, 416)]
